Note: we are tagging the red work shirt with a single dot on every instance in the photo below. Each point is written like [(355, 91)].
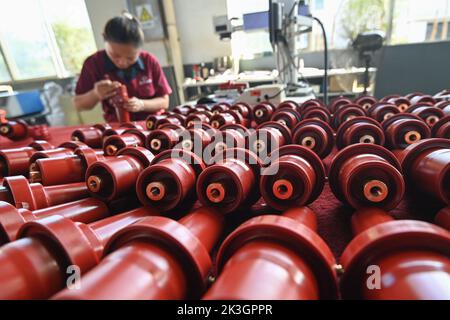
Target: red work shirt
[(145, 80)]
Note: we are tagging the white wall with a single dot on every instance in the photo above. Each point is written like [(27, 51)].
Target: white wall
[(199, 43), (100, 11)]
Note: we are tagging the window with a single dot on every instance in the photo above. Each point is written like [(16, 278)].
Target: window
[(44, 38)]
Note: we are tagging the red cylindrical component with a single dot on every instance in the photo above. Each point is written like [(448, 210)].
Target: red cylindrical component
[(410, 259), (417, 98), (153, 259), (382, 111), (390, 97), (164, 138), (220, 107), (444, 106), (442, 95), (268, 137), (64, 150), (310, 104), (50, 247), (359, 130), (168, 184), (171, 119), (198, 117), (14, 130), (402, 103), (230, 136), (402, 130), (316, 135), (443, 218), (427, 113), (286, 116), (243, 108), (16, 161), (366, 175), (295, 178), (201, 108), (232, 182), (34, 196), (320, 113), (91, 136), (228, 117), (275, 258), (346, 113), (129, 138), (426, 166), (338, 103), (117, 176), (442, 128), (366, 102), (86, 211), (118, 101), (263, 112), (184, 110), (56, 171), (288, 104), (152, 119)]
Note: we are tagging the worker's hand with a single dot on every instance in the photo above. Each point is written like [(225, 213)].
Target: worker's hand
[(134, 105), (105, 89)]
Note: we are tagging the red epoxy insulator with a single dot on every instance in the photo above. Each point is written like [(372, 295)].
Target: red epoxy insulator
[(150, 122), (294, 178), (232, 182), (288, 104), (295, 263), (444, 106), (366, 175), (390, 97), (443, 218), (129, 138), (338, 103), (263, 112), (442, 128), (165, 138), (172, 119), (243, 108), (71, 169), (229, 137), (268, 137), (50, 246), (14, 130), (155, 259), (316, 135), (184, 110), (359, 130), (310, 104), (198, 117), (402, 103), (220, 107), (201, 108), (168, 184), (427, 113), (197, 137), (382, 111), (403, 130), (118, 101), (86, 211), (396, 260), (426, 166), (366, 102), (116, 176), (320, 113), (287, 116), (346, 113), (34, 196), (421, 98), (91, 136), (227, 117), (17, 161), (64, 150), (442, 95)]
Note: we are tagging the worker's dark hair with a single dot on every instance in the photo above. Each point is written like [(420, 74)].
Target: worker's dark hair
[(125, 29)]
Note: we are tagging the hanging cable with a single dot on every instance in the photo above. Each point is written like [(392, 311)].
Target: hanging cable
[(325, 77)]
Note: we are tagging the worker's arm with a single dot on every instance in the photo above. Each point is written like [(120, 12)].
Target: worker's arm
[(102, 90), (148, 105)]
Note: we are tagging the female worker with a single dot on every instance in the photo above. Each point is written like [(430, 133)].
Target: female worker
[(123, 62)]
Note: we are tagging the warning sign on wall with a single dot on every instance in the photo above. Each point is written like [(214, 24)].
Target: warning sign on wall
[(145, 15)]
